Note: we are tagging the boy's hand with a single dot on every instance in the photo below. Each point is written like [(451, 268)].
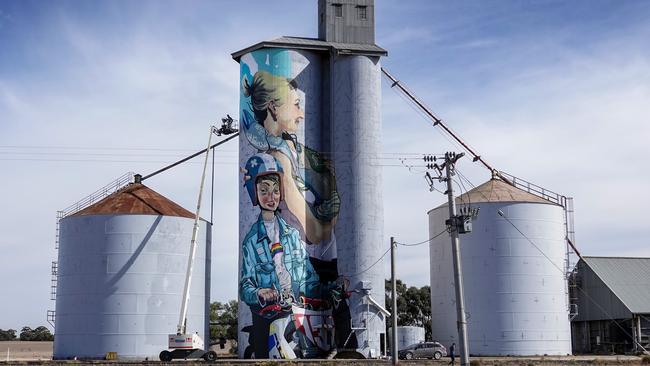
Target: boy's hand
[(267, 295)]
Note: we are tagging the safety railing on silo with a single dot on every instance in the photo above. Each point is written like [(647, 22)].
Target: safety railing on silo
[(533, 188), (98, 195)]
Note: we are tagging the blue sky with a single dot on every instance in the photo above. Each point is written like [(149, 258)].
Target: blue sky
[(556, 92)]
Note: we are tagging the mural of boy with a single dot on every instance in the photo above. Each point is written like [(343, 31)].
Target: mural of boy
[(275, 265)]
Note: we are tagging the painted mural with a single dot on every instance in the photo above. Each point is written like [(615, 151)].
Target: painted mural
[(288, 271)]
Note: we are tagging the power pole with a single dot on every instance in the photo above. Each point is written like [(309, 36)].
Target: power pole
[(453, 223), (393, 280), (456, 224)]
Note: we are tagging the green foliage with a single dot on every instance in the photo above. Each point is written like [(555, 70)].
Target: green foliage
[(7, 335), (39, 334), (413, 306), (223, 320)]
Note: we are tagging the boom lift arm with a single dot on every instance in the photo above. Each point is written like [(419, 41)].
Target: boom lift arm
[(182, 344)]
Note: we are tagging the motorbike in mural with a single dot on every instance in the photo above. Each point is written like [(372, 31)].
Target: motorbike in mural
[(301, 329)]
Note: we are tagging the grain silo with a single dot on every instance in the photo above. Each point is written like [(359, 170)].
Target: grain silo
[(514, 282), (408, 335), (122, 265), (310, 113)]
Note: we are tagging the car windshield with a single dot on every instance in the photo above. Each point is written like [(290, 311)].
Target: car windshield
[(413, 346)]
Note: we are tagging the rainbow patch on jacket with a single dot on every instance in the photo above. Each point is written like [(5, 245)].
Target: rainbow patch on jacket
[(276, 248)]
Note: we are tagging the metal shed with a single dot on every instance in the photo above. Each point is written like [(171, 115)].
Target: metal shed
[(613, 298)]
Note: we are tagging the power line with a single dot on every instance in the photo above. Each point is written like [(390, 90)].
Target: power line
[(367, 269), (91, 154), (422, 242), (103, 161)]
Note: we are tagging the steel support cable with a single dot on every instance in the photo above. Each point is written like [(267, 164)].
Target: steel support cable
[(578, 287), (437, 121), (191, 156)]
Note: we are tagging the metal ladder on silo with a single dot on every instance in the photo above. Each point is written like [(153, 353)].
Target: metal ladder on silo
[(572, 257), (51, 314), (55, 271)]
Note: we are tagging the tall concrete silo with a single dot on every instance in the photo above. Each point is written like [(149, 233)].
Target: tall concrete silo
[(122, 265), (515, 292), (312, 107)]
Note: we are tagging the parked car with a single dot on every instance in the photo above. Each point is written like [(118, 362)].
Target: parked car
[(432, 350)]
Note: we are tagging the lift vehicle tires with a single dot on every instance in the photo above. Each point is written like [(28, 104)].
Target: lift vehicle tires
[(348, 355), (210, 356), (437, 355), (165, 356)]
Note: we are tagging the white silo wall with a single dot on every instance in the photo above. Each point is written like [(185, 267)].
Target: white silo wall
[(355, 140), (407, 336), (120, 284), (515, 297)]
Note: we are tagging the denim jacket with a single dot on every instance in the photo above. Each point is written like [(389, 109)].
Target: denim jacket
[(258, 269)]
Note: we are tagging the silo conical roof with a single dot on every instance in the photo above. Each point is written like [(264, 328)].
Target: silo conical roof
[(496, 190), (136, 199)]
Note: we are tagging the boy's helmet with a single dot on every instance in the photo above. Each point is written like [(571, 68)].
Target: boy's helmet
[(260, 165)]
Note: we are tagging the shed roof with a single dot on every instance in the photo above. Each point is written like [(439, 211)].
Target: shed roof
[(135, 199), (314, 44), (628, 278), (496, 190)]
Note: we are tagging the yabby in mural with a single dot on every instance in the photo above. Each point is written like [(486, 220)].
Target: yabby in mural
[(288, 270)]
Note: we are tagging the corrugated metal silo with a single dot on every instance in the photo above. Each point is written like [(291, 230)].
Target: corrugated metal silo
[(122, 265), (355, 139), (515, 296), (408, 335)]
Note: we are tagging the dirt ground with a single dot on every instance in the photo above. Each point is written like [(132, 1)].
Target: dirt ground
[(24, 351), (40, 353)]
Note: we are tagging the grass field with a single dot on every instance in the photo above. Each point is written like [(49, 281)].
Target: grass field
[(25, 351)]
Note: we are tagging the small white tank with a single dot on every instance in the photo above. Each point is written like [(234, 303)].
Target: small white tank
[(514, 296), (122, 265)]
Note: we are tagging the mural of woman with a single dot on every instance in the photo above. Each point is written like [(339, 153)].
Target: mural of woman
[(271, 124), (311, 187)]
